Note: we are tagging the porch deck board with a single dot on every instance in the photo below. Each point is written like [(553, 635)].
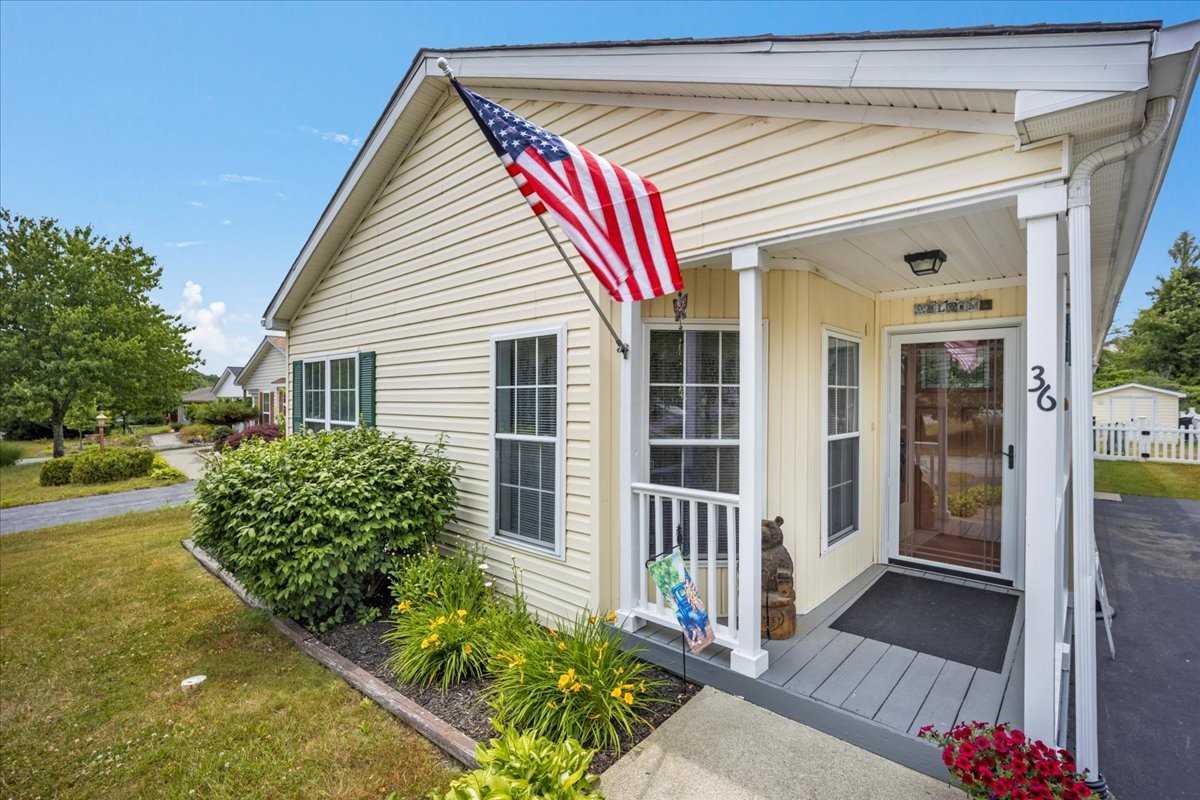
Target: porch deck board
[(865, 691), (870, 694), (945, 697)]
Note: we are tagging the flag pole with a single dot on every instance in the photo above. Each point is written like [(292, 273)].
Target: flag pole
[(622, 347)]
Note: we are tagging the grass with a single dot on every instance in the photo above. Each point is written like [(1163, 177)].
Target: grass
[(19, 486), (1180, 481), (102, 621), (34, 448)]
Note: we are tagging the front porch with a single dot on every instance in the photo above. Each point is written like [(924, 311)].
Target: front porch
[(868, 692)]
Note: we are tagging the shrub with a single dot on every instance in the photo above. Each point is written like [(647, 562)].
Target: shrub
[(428, 577), (223, 411), (56, 471), (9, 453), (313, 524), (439, 643), (162, 471), (220, 433), (522, 766), (176, 426), (578, 683), (1000, 761), (105, 464), (197, 431), (267, 433)]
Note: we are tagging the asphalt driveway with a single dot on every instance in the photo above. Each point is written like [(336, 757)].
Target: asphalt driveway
[(1149, 697), (84, 509)]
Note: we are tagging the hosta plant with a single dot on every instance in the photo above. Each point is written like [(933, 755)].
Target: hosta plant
[(523, 766), (576, 683), (998, 762)]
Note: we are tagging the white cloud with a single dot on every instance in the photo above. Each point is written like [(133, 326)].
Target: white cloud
[(197, 204), (332, 136), (184, 243), (219, 346), (226, 222), (233, 177)]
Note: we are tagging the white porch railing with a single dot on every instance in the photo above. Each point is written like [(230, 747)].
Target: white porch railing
[(1121, 441), (700, 522)]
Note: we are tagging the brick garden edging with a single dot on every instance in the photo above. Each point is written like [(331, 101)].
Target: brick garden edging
[(451, 740)]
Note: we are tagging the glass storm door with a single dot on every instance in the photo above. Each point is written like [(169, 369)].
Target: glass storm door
[(953, 479)]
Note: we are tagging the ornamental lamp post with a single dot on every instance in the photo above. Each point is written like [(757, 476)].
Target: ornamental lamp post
[(101, 420)]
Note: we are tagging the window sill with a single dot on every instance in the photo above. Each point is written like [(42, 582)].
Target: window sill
[(829, 548), (516, 543)]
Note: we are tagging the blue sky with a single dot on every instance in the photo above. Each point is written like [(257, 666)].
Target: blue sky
[(215, 134)]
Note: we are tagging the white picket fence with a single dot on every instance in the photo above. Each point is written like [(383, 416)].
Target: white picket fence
[(1133, 442)]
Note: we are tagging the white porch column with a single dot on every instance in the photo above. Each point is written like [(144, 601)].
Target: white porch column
[(1079, 238), (1038, 209), (748, 657), (629, 455)]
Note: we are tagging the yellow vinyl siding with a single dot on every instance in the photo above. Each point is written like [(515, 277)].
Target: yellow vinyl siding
[(447, 255), (1134, 403)]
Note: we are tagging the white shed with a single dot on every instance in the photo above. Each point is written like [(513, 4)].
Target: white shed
[(1132, 401)]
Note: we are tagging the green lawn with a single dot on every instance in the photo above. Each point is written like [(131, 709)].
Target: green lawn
[(102, 621), (19, 486), (1180, 481)]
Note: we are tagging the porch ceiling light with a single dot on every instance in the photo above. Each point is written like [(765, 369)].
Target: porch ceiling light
[(927, 262)]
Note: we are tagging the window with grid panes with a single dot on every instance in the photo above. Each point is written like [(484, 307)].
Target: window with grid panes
[(693, 423), (527, 440), (842, 437), (331, 393)]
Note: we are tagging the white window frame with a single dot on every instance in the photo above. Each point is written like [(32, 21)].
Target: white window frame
[(267, 407), (327, 421), (559, 440), (829, 332)]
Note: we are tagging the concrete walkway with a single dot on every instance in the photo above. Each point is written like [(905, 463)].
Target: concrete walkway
[(724, 748), (83, 509), (185, 459)]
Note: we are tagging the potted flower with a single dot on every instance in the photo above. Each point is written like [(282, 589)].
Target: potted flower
[(998, 762)]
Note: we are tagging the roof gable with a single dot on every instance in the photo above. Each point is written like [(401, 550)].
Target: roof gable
[(1141, 386)]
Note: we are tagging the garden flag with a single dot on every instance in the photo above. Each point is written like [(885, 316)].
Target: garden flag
[(679, 590), (614, 217)]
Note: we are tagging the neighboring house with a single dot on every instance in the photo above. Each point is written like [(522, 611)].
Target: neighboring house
[(1133, 402), (227, 385), (202, 395), (896, 416), (264, 380)]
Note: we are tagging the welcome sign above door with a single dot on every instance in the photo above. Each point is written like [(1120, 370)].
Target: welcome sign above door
[(958, 306)]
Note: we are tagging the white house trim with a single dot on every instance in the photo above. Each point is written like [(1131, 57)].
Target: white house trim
[(1142, 386)]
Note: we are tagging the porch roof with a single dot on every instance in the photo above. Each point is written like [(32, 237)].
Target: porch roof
[(956, 79)]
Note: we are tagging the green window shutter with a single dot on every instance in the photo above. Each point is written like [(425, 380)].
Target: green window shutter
[(366, 389), (297, 396)]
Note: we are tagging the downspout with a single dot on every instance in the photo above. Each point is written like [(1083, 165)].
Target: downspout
[(1079, 217)]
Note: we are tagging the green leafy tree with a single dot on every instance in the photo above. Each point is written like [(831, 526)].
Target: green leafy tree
[(223, 411), (1164, 338), (76, 319), (82, 417)]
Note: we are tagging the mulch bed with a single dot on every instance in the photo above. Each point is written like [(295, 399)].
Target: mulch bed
[(464, 706)]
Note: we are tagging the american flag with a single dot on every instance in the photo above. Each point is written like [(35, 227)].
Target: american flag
[(614, 217)]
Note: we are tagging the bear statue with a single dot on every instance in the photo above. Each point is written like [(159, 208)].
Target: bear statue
[(779, 592)]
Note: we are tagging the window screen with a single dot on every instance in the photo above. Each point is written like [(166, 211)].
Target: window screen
[(693, 425), (527, 439), (842, 438), (342, 393)]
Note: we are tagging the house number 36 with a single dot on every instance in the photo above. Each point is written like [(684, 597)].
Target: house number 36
[(1045, 400)]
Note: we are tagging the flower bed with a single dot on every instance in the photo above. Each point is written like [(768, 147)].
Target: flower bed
[(465, 706)]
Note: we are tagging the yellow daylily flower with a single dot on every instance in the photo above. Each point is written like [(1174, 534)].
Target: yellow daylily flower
[(592, 619), (462, 612), (562, 645), (610, 617), (467, 648), (403, 607), (576, 686), (628, 699), (616, 692)]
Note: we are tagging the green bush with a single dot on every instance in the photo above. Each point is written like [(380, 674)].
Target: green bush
[(522, 766), (223, 411), (429, 577), (220, 433), (439, 643), (197, 430), (162, 471), (56, 471), (313, 525), (577, 683), (9, 453), (105, 464)]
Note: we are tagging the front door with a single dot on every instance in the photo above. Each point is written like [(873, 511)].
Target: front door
[(952, 431)]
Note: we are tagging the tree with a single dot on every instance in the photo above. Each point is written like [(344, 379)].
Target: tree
[(223, 411), (76, 319), (1164, 339)]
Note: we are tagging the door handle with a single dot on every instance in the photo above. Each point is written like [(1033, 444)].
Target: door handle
[(1010, 452)]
